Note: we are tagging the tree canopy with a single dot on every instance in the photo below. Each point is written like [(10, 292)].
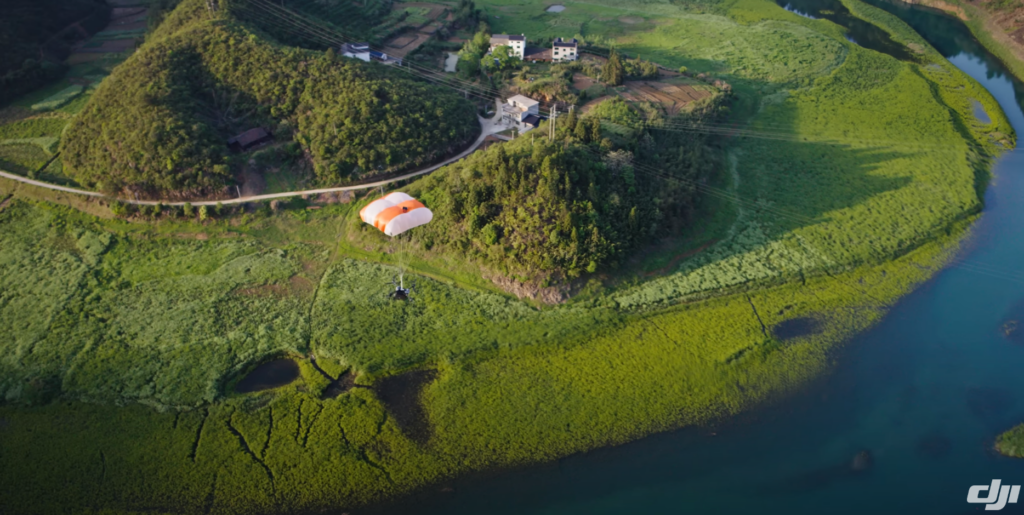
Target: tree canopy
[(560, 209), (613, 72), (160, 122)]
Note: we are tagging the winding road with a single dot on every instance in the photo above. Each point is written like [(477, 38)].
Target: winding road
[(487, 128)]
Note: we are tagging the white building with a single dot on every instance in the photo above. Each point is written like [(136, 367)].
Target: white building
[(521, 111), (564, 50), (363, 52), (516, 44)]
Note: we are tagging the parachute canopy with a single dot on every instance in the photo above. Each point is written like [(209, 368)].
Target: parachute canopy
[(396, 213)]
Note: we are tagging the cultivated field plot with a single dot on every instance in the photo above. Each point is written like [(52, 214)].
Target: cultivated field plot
[(127, 26), (671, 97), (419, 15)]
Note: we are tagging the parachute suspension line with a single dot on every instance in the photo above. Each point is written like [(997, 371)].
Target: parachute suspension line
[(394, 214)]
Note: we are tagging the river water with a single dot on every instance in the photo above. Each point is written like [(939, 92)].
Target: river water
[(926, 391)]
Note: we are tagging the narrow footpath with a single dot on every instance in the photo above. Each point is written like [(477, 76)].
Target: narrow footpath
[(487, 128)]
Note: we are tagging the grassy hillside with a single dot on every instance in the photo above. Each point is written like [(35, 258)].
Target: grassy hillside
[(866, 174), (159, 123)]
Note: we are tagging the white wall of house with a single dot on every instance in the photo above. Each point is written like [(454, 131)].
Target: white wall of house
[(564, 52), (516, 47), (365, 56)]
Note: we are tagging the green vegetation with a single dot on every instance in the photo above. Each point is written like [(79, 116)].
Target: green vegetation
[(865, 175), (173, 104), (362, 21), (214, 308), (547, 213), (1011, 443), (472, 53), (22, 158), (35, 36), (613, 71), (60, 99)]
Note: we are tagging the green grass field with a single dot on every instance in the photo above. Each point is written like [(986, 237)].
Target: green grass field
[(864, 178)]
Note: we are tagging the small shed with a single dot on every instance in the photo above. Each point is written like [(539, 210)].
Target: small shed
[(250, 139)]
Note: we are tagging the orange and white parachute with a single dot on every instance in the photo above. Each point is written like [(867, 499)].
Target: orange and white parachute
[(396, 213)]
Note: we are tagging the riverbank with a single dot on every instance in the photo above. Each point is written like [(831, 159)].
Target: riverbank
[(1001, 31)]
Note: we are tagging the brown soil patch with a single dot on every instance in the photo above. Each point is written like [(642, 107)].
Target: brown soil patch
[(631, 20), (582, 82), (590, 105), (532, 290), (671, 97), (252, 182), (532, 53), (297, 286), (401, 47)]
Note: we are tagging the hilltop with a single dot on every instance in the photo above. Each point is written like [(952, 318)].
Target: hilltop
[(159, 124)]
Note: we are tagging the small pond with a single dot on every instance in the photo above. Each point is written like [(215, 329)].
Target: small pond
[(450, 62), (272, 374), (557, 8), (979, 112)]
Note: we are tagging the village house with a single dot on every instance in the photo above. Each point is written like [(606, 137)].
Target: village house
[(516, 44), (564, 50), (250, 139), (363, 52), (523, 112)]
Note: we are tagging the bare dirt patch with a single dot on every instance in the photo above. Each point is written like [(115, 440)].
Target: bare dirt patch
[(671, 97), (252, 182), (404, 45), (533, 290), (582, 82), (631, 20), (590, 105), (297, 286)]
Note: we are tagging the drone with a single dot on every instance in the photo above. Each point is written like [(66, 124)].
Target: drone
[(401, 292)]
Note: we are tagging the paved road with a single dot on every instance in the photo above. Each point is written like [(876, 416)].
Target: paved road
[(487, 127)]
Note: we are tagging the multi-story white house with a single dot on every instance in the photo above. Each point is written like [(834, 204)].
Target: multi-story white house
[(564, 50), (516, 44), (522, 111)]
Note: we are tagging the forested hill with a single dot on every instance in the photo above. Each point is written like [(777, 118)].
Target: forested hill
[(158, 125), (545, 212)]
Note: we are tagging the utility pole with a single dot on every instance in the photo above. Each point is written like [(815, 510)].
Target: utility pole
[(551, 125)]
